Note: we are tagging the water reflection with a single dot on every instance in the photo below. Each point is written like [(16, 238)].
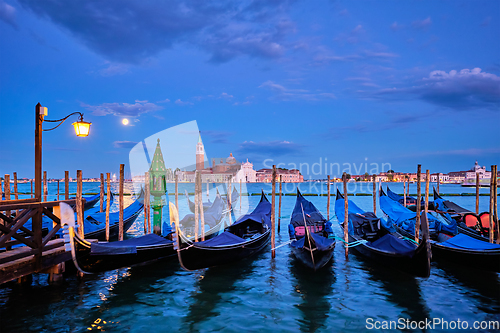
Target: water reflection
[(401, 289), (211, 286), (483, 286), (314, 288)]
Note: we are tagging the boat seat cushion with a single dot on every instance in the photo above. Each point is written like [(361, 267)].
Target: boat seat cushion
[(301, 230)]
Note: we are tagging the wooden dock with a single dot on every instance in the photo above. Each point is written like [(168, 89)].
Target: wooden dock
[(24, 251)]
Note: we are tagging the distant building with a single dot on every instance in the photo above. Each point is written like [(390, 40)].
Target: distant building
[(287, 176), (222, 170)]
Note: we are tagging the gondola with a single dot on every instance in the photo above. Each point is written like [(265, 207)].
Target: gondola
[(247, 236), (411, 202), (206, 205), (95, 224), (312, 239), (93, 257), (383, 244), (212, 219), (446, 246), (469, 223)]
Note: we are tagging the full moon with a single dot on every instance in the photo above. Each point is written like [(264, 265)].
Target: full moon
[(125, 121)]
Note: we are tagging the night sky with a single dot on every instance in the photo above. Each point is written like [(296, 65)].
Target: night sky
[(399, 82)]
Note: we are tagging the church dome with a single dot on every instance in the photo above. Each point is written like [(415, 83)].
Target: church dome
[(230, 159)]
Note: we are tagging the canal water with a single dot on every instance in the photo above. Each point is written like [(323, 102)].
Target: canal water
[(258, 294)]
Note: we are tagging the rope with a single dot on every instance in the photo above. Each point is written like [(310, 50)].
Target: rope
[(412, 240), (277, 247), (352, 244)]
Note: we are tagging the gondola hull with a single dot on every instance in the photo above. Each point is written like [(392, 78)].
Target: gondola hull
[(198, 257), (100, 263), (321, 258), (418, 265), (482, 259)]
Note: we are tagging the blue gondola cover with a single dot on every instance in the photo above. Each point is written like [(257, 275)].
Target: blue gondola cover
[(128, 246), (462, 241)]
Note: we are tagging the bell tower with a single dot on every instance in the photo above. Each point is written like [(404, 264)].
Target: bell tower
[(200, 155)]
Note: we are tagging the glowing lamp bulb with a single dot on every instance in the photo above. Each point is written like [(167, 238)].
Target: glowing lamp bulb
[(82, 128)]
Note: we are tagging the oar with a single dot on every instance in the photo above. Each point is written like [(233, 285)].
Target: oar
[(308, 237)]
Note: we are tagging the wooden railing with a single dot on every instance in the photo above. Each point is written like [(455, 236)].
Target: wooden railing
[(13, 229)]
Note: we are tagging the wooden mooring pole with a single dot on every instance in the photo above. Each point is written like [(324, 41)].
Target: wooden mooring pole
[(477, 193), (438, 181), (419, 198), (495, 202), (79, 204), (200, 202), (147, 212), (346, 216), (279, 208), (101, 205), (108, 203), (241, 189), (328, 198), (7, 192), (66, 185), (176, 191), (196, 208), (374, 178), (273, 214), (404, 192), (16, 194), (58, 190), (31, 189), (120, 221), (492, 205), (45, 189), (229, 203)]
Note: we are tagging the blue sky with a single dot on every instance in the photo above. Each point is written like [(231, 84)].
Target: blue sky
[(399, 82)]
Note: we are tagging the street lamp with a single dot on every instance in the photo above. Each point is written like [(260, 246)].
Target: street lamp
[(82, 128)]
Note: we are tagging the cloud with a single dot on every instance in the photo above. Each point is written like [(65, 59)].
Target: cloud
[(219, 137), (285, 94), (122, 109), (225, 96), (114, 69), (124, 144), (179, 102), (486, 21), (8, 14), (327, 57), (459, 152), (422, 24), (269, 149), (130, 31), (396, 26), (462, 90)]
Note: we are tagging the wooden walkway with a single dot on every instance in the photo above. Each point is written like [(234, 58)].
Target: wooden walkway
[(27, 250)]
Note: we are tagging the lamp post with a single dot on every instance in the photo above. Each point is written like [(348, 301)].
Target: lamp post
[(82, 128)]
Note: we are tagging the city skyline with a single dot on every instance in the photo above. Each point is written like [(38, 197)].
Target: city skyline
[(404, 83)]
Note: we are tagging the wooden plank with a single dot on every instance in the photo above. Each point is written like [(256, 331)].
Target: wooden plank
[(29, 265), (28, 204), (24, 251)]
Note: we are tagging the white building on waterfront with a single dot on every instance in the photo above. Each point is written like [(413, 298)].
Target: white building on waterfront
[(246, 173)]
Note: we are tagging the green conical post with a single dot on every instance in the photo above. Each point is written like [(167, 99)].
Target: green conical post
[(158, 187)]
